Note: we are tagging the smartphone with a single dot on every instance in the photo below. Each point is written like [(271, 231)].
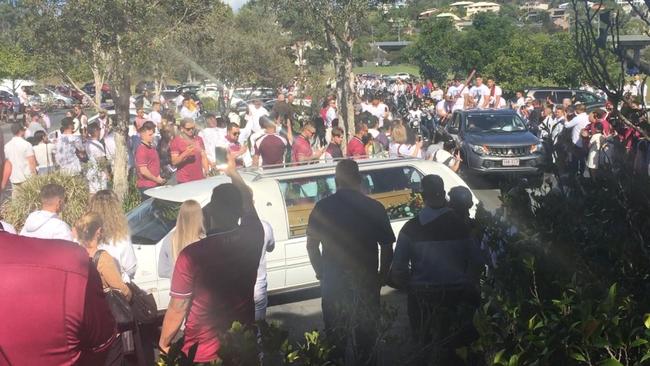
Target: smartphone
[(221, 157)]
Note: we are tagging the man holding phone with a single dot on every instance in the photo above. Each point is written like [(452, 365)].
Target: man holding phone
[(188, 154), (147, 160)]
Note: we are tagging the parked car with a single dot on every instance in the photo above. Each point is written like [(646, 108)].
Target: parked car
[(52, 98), (241, 94), (590, 100), (70, 92), (283, 197), (496, 142)]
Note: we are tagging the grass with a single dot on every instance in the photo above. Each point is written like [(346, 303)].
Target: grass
[(387, 70)]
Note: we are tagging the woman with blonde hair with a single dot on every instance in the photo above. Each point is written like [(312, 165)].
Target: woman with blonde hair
[(189, 229), (116, 239), (88, 231), (403, 144)]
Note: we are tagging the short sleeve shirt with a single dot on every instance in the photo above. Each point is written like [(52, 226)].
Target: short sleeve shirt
[(356, 148), (350, 227), (191, 168), (17, 151), (218, 274), (301, 147), (146, 156), (271, 148)]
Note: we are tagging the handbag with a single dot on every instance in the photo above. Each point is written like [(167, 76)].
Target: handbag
[(143, 305), (118, 304)]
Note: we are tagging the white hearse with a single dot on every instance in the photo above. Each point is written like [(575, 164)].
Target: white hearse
[(284, 197)]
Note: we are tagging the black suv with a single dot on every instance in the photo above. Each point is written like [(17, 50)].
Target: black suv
[(496, 142)]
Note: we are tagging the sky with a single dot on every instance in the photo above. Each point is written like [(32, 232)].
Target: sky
[(235, 4)]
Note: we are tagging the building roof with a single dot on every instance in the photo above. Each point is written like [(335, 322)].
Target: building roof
[(448, 15), (462, 3), (428, 12), (482, 3)]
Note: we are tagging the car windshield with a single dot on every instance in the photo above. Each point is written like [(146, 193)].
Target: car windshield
[(152, 220), (494, 123)]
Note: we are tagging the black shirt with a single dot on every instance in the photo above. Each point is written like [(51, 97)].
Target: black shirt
[(349, 226)]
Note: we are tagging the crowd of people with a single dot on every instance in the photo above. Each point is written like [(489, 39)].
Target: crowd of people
[(216, 257)]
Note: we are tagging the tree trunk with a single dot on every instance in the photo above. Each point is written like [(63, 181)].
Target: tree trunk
[(99, 82), (120, 168)]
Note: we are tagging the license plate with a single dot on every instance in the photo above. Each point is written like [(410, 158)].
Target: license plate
[(510, 162)]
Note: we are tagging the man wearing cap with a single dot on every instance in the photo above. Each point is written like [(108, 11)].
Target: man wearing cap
[(436, 260), (20, 154)]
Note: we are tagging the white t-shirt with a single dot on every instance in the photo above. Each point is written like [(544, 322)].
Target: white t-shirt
[(478, 93), (186, 113), (44, 155), (378, 111), (460, 101), (17, 151), (123, 252), (442, 156), (578, 123), (155, 117), (495, 100), (213, 137), (402, 150)]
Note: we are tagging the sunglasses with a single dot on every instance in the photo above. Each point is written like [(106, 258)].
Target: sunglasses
[(236, 133), (188, 128)]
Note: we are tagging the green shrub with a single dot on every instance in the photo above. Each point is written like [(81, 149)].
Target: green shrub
[(210, 104), (571, 282), (16, 210)]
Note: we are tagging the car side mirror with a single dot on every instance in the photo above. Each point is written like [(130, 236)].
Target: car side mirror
[(453, 130)]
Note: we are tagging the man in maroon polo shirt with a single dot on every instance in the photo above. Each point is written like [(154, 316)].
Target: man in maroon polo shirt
[(301, 151), (270, 147), (147, 161), (54, 309), (214, 278), (188, 154), (356, 148)]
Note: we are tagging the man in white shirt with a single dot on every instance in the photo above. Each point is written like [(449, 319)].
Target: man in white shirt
[(494, 98), (213, 136), (478, 92), (154, 116), (457, 92), (255, 112), (377, 109), (577, 124), (186, 112), (641, 88), (45, 223), (20, 154)]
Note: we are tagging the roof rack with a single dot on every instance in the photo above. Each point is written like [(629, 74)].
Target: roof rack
[(277, 170)]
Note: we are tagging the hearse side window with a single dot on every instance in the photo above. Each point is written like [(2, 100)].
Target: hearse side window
[(152, 220), (393, 187)]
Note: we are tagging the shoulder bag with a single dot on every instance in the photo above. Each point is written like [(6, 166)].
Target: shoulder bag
[(118, 304), (143, 305)]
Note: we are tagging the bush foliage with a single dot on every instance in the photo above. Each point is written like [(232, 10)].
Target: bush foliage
[(27, 200), (570, 285)]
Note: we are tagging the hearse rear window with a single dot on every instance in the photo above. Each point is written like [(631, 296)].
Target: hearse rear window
[(396, 188)]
